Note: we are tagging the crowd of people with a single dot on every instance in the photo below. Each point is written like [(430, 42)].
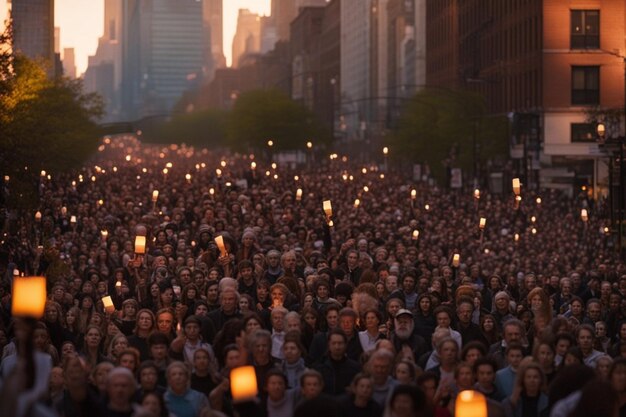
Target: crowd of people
[(390, 301)]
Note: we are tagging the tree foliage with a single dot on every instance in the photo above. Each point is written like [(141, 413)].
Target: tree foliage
[(261, 115), (448, 128), (203, 128), (44, 123)]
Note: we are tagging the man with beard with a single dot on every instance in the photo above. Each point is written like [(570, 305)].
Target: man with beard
[(403, 338)]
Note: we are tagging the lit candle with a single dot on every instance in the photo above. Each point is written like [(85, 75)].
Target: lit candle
[(274, 165), (309, 145), (243, 384), (253, 165), (364, 171), (482, 223), (188, 178), (477, 194), (533, 219), (516, 186), (516, 237), (155, 196), (73, 219), (385, 150), (427, 207), (223, 164), (118, 284), (328, 208), (108, 304), (470, 404), (296, 178), (38, 216), (415, 234), (165, 171), (299, 194), (356, 203), (63, 211), (104, 234), (538, 200), (456, 260), (100, 202), (366, 188), (140, 245), (583, 215), (606, 230), (28, 297), (211, 190), (533, 231), (219, 241), (270, 143), (267, 173), (413, 194), (43, 173)]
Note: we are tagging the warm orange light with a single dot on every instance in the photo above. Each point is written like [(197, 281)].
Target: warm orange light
[(516, 186), (357, 202), (140, 245), (583, 215), (155, 196), (413, 194), (483, 223), (456, 260), (470, 404), (29, 297), (299, 194), (477, 194), (416, 234), (243, 386), (328, 208), (219, 241), (108, 304)]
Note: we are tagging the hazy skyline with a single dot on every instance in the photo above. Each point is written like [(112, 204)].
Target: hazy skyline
[(81, 24)]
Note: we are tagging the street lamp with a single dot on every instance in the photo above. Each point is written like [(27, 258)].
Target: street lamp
[(619, 141)]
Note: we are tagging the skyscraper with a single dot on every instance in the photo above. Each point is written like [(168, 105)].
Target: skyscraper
[(247, 38), (213, 20), (163, 54), (33, 25), (69, 63)]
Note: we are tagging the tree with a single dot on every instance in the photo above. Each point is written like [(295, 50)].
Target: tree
[(449, 128), (46, 124), (203, 128), (261, 115)]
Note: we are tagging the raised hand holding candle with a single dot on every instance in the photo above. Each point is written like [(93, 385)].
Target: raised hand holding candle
[(219, 241), (155, 196), (328, 208), (108, 304)]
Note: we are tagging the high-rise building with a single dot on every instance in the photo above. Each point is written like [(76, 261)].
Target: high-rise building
[(213, 19), (104, 72), (57, 40), (162, 54), (356, 97), (33, 26), (69, 63), (283, 12), (247, 39)]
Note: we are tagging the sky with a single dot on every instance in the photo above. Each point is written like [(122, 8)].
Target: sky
[(81, 24)]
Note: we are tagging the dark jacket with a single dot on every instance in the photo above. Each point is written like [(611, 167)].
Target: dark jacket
[(337, 375)]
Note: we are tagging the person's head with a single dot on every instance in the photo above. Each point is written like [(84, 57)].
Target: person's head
[(563, 342), (513, 331), (514, 354), (603, 366), (585, 336), (464, 376), (347, 321), (362, 386), (472, 351), (229, 300), (530, 378), (277, 317), (93, 336), (617, 375), (252, 322), (409, 401), (292, 348), (331, 315), (380, 365), (448, 351), (485, 370), (148, 375), (154, 403), (594, 309), (464, 310), (311, 383), (405, 371), (443, 316), (404, 324), (543, 354), (165, 320), (120, 385), (99, 374), (158, 344), (178, 377), (129, 359), (145, 321), (337, 344), (260, 344), (275, 384)]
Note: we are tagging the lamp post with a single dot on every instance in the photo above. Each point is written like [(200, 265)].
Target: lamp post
[(619, 141)]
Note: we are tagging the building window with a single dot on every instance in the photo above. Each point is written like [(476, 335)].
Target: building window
[(583, 132), (585, 85), (585, 29)]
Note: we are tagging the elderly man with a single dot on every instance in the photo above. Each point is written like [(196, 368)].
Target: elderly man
[(404, 339), (379, 366), (120, 391), (179, 397), (513, 331)]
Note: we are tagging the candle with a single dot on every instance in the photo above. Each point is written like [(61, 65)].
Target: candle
[(415, 234), (253, 165), (38, 216), (140, 245), (243, 384), (583, 215), (533, 231), (43, 173), (299, 194), (427, 207), (477, 194), (168, 165), (516, 237), (356, 203), (188, 177), (413, 194), (104, 234), (211, 190), (118, 284), (29, 297), (73, 219), (309, 145), (108, 304), (482, 223), (366, 188), (533, 219), (516, 186), (219, 241), (223, 164), (267, 173), (538, 200), (345, 177), (296, 178), (100, 202), (456, 260), (470, 404), (165, 171), (155, 196), (274, 165), (328, 208)]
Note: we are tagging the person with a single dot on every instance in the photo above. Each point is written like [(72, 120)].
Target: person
[(188, 341), (120, 393), (371, 334), (260, 348), (585, 336), (280, 401), (470, 332), (358, 402), (505, 377), (512, 331), (293, 364), (408, 401), (404, 339), (405, 372), (527, 398), (379, 366), (485, 371), (179, 398), (146, 323), (336, 367)]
